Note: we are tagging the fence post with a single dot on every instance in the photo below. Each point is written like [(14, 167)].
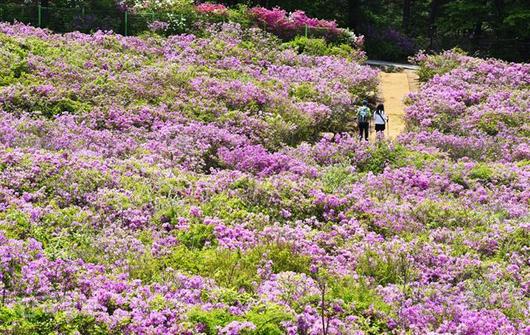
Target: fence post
[(125, 23), (39, 15)]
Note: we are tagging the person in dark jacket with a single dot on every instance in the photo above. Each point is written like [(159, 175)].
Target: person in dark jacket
[(363, 120)]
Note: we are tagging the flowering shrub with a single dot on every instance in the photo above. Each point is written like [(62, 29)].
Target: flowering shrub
[(472, 108), (154, 5), (158, 26), (195, 17), (431, 65), (288, 25), (211, 8), (208, 185)]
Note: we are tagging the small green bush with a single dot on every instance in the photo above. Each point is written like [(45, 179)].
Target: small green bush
[(268, 319), (211, 320), (434, 214), (240, 14), (383, 155), (385, 269), (231, 269), (490, 122), (439, 64), (516, 242), (336, 177), (20, 320), (482, 172), (197, 236), (12, 59), (319, 47)]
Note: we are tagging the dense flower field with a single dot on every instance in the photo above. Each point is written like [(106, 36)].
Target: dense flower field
[(208, 185), (480, 109)]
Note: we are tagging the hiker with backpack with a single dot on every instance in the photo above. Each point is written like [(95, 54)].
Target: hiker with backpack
[(380, 120), (363, 120)]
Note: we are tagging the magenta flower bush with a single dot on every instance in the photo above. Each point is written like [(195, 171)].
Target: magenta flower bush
[(212, 8), (211, 185), (288, 25)]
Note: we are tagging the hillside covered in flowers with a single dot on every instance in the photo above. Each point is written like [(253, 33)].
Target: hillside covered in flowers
[(212, 185)]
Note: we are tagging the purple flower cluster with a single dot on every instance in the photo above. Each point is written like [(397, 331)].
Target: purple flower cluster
[(476, 108)]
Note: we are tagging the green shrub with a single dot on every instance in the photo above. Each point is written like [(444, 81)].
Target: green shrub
[(197, 236), (230, 296), (434, 214), (211, 320), (382, 155), (360, 300), (358, 293), (13, 60), (515, 242), (485, 291), (293, 126), (19, 320), (312, 46), (523, 163), (284, 259), (15, 223), (249, 199), (303, 91), (336, 177), (267, 319), (229, 207), (319, 47), (240, 14), (439, 64), (490, 122), (482, 172), (67, 233), (385, 269), (231, 269)]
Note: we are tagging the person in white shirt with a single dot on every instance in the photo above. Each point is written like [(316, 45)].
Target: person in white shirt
[(381, 120)]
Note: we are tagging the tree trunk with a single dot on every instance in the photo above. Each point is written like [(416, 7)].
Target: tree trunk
[(354, 14), (407, 6), (433, 13), (499, 16), (499, 6), (477, 34)]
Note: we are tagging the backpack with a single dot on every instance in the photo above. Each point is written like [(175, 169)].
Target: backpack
[(363, 114)]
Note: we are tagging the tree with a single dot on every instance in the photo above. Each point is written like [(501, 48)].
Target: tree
[(407, 7), (354, 14), (435, 5)]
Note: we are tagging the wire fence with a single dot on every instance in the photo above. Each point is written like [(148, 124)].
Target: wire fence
[(76, 19)]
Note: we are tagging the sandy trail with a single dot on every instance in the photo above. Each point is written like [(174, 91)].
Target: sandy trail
[(393, 88)]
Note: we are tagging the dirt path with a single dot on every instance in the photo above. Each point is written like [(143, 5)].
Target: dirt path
[(393, 88)]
